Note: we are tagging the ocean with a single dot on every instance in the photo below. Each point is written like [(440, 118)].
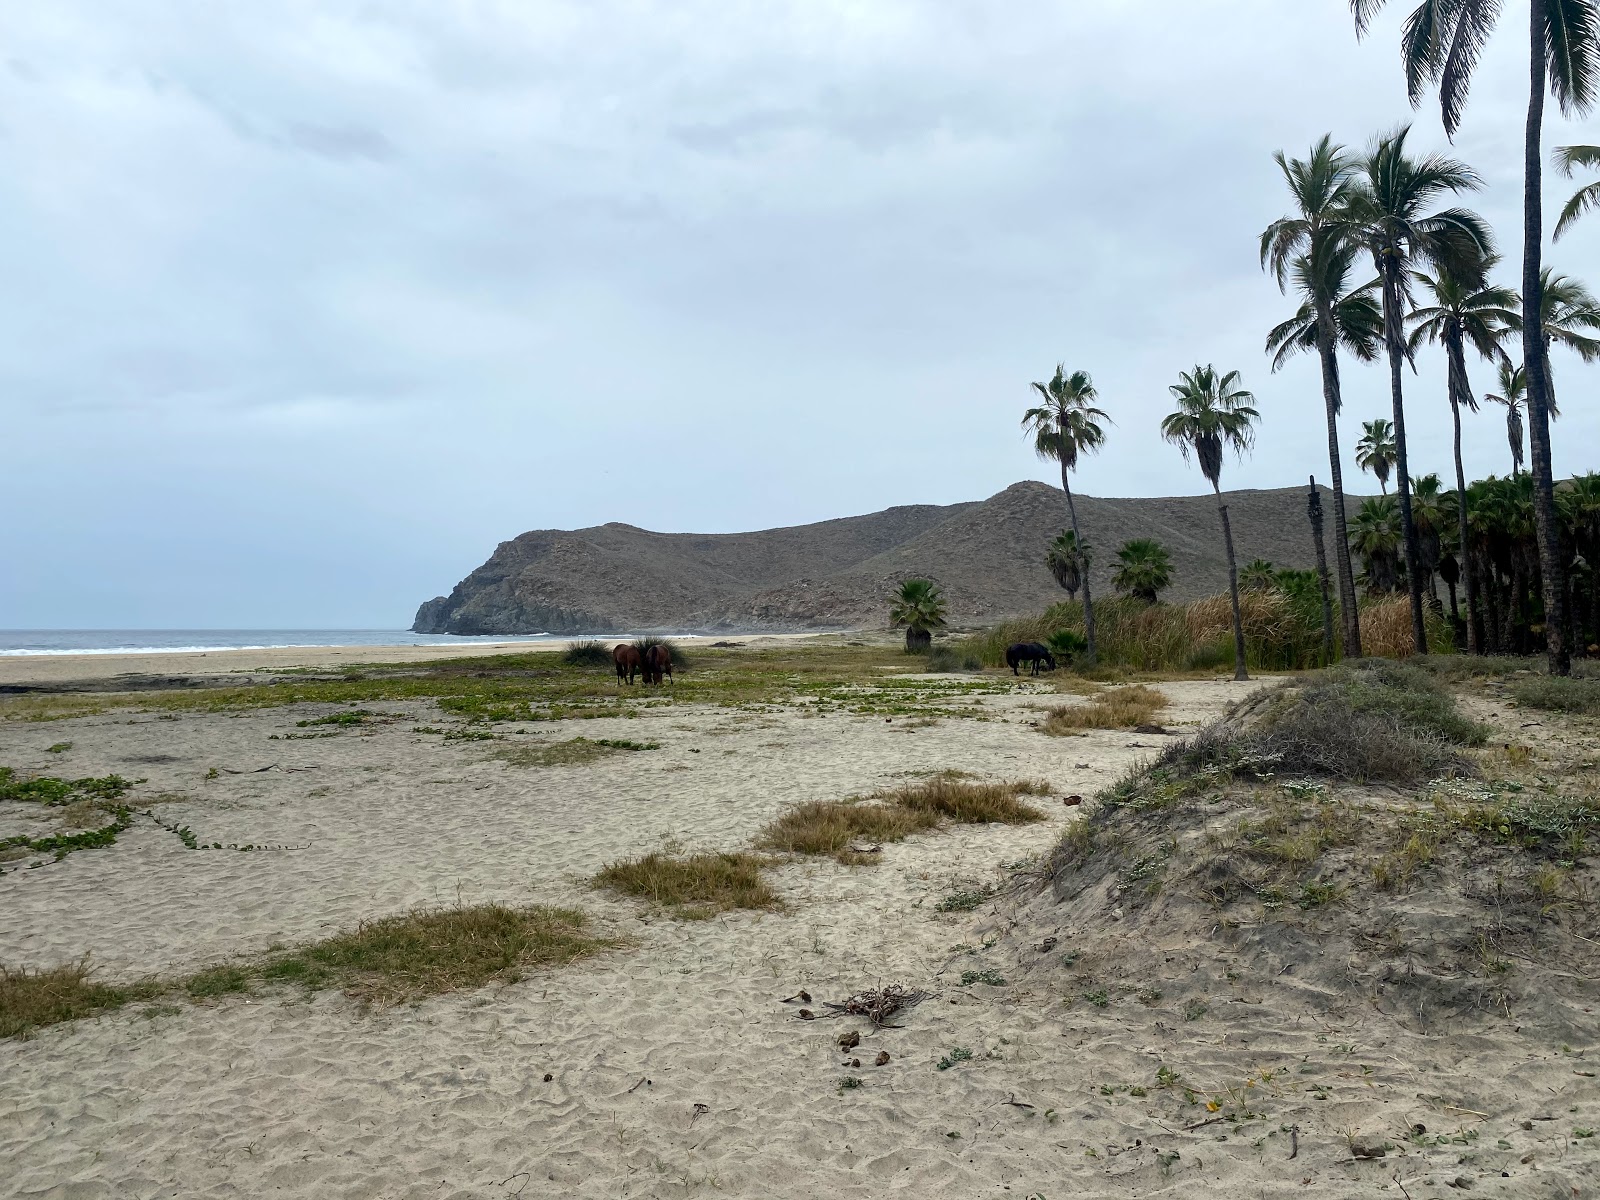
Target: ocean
[(159, 641)]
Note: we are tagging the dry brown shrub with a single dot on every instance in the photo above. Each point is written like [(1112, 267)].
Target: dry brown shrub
[(1265, 615), (696, 886), (949, 796), (1120, 708), (829, 827), (1386, 628)]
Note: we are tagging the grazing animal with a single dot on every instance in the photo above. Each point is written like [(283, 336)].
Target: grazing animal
[(1029, 652), (628, 663), (657, 659)]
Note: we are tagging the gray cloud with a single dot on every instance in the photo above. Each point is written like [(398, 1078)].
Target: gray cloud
[(313, 303)]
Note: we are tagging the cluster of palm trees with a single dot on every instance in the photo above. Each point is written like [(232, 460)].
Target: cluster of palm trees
[(1505, 542), (1385, 203), (1213, 415)]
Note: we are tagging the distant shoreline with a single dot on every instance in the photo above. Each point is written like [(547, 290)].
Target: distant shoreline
[(58, 668)]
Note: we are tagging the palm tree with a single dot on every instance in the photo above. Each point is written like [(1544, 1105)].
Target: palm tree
[(1375, 451), (1569, 315), (1258, 575), (1144, 570), (1463, 310), (1064, 427), (1213, 416), (1513, 392), (1375, 535), (1441, 43), (919, 606), (1067, 561), (1388, 212), (1313, 250), (1429, 511), (1586, 197)]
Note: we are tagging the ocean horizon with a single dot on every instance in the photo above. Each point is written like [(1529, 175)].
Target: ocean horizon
[(15, 642)]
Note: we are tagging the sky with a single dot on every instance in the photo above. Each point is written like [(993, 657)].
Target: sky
[(311, 304)]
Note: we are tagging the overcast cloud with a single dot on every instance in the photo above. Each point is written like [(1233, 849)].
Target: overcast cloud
[(308, 305)]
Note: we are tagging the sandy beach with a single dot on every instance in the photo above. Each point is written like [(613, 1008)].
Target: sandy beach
[(672, 1065)]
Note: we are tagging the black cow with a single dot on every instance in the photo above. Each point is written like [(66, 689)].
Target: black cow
[(1029, 652)]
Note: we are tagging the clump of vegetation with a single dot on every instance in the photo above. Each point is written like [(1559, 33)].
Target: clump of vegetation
[(572, 752), (387, 961), (1559, 693), (30, 1000), (695, 886), (1120, 708), (965, 900), (586, 652), (45, 789), (347, 719), (832, 827), (958, 1055), (918, 607), (969, 802)]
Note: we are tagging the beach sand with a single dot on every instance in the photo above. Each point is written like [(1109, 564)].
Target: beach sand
[(283, 1095)]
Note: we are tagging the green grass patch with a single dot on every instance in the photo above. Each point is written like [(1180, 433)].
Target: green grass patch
[(572, 752), (31, 1000), (695, 886), (45, 789)]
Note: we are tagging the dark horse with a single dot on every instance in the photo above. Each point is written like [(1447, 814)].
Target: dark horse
[(1029, 652), (657, 659), (628, 663)]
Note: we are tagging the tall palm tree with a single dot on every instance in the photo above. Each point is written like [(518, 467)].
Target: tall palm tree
[(1144, 569), (1440, 43), (1463, 310), (1067, 561), (1312, 250), (1066, 426), (1214, 415), (917, 604), (1375, 451), (1388, 211), (1569, 316), (1513, 393)]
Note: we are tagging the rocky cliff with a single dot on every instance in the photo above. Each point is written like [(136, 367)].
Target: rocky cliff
[(987, 555)]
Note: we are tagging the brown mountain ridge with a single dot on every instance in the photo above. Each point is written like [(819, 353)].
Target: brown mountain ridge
[(987, 555)]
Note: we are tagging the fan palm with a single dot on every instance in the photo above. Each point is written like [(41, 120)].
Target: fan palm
[(1463, 310), (1144, 569), (1375, 451), (1569, 316), (919, 606), (1258, 575), (1513, 393), (1214, 415), (1375, 536), (1388, 211), (1312, 250), (1066, 426), (1440, 44), (1067, 561)]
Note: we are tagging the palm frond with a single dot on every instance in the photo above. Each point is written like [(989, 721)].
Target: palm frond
[(1572, 50), (1584, 199)]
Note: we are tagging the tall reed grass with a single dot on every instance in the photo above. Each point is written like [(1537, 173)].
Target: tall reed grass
[(1281, 632)]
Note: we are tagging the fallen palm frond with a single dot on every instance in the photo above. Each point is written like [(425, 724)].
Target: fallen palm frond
[(879, 1004)]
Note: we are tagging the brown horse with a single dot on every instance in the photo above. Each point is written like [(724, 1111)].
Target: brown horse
[(628, 663), (657, 659)]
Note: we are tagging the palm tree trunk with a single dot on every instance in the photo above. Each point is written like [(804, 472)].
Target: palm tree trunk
[(1314, 509), (1458, 381), (1083, 559), (1491, 590), (1349, 618), (1239, 671), (1392, 339), (1558, 652)]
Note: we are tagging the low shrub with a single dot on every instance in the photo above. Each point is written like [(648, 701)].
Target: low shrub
[(830, 827), (946, 659), (967, 802), (587, 652), (680, 660), (1556, 693)]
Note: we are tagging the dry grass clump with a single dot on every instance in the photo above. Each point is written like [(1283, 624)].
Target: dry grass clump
[(949, 796), (1120, 708), (831, 827), (30, 1000), (693, 887)]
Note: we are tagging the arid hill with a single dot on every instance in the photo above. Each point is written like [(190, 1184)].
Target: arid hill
[(988, 556)]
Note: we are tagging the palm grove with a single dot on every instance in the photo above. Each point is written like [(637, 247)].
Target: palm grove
[(1384, 258)]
